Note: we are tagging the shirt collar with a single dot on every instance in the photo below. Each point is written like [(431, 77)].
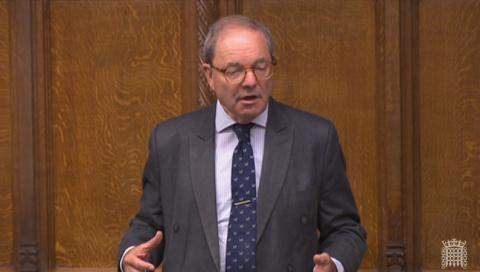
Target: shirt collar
[(223, 120)]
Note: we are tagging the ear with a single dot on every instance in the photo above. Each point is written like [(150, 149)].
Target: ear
[(207, 71)]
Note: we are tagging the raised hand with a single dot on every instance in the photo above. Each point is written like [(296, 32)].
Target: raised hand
[(136, 260)]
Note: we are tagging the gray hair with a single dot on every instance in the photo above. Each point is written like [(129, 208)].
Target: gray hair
[(219, 26)]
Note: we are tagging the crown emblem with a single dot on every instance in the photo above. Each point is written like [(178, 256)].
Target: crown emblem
[(454, 243), (454, 253)]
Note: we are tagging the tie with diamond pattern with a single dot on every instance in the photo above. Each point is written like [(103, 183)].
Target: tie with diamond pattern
[(242, 224)]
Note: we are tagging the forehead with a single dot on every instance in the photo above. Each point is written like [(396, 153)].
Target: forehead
[(240, 45)]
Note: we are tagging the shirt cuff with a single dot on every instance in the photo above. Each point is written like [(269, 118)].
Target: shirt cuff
[(338, 264), (123, 256)]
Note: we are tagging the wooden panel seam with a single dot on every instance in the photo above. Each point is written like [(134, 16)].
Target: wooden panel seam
[(410, 130), (43, 136), (389, 126), (380, 99), (25, 237), (6, 147), (190, 65)]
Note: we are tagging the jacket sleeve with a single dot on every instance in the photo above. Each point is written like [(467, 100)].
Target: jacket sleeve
[(341, 233), (149, 219)]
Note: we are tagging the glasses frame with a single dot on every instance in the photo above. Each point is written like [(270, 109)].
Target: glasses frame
[(273, 62)]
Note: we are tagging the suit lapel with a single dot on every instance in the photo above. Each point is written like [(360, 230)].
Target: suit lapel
[(202, 170), (278, 146)]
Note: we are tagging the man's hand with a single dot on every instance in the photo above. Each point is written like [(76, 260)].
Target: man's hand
[(136, 259), (323, 263)]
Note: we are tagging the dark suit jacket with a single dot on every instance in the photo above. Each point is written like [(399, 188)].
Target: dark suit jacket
[(303, 188)]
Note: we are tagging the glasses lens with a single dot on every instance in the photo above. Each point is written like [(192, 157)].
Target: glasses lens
[(234, 73), (264, 71)]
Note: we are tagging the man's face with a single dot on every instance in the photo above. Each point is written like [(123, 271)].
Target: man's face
[(244, 48)]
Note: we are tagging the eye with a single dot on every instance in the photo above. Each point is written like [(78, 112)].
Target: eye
[(234, 71), (261, 66)]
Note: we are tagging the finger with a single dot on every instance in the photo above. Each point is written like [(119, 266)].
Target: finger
[(131, 269), (154, 242), (138, 264), (322, 260)]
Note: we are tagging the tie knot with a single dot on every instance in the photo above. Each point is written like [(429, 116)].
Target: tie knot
[(243, 131)]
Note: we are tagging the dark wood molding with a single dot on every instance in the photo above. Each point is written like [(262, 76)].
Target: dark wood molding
[(190, 63), (28, 257), (395, 257), (33, 190), (409, 57), (392, 221), (43, 136), (381, 128), (23, 90), (207, 13)]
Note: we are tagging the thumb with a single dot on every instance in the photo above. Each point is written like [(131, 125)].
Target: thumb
[(322, 259), (154, 242)]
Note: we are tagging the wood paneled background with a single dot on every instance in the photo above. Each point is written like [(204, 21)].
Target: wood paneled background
[(116, 71), (6, 215), (449, 125), (82, 84)]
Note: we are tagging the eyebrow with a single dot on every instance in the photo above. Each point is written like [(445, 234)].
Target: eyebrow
[(239, 64)]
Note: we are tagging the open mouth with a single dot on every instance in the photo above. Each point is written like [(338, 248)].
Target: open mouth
[(249, 97)]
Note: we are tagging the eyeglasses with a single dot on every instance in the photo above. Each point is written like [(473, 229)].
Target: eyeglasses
[(234, 74)]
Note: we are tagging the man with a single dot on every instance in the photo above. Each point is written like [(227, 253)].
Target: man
[(247, 184)]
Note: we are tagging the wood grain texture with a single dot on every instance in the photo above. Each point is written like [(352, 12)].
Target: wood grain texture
[(207, 14), (6, 207), (116, 70), (326, 65), (449, 110)]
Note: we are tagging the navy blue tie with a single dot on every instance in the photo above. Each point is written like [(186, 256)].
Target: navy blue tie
[(243, 220)]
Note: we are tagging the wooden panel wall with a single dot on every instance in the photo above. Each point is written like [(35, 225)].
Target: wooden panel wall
[(449, 120), (116, 71), (326, 62), (398, 77), (6, 207)]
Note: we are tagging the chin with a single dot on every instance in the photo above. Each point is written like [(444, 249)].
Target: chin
[(248, 117), (248, 113)]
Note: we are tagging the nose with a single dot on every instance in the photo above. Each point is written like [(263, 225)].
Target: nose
[(250, 79)]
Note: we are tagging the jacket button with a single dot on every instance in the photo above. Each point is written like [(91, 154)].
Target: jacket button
[(303, 220), (289, 268), (176, 227)]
